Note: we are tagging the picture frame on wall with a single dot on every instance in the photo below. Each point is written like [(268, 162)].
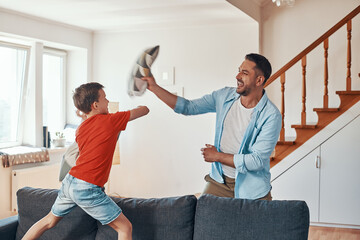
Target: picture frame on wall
[(165, 76)]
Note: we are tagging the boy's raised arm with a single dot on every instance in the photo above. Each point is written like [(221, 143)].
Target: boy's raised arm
[(138, 112)]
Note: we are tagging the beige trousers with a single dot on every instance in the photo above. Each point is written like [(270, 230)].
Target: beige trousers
[(225, 189)]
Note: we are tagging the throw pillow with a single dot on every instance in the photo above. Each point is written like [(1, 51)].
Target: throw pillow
[(68, 160), (142, 68)]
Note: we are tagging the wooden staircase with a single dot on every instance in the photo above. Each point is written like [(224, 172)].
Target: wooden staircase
[(305, 130)]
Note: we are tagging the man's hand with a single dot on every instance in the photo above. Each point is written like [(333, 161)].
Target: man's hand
[(151, 83), (211, 154)]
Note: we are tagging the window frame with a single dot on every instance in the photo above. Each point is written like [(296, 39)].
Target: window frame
[(23, 93), (63, 54)]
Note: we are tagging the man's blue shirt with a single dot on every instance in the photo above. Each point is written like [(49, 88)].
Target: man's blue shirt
[(253, 160)]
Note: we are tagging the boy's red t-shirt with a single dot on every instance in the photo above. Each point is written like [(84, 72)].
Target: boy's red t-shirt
[(97, 137)]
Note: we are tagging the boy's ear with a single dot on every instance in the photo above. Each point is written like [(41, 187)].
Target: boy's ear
[(94, 106)]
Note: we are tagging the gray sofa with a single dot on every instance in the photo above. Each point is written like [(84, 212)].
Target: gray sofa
[(173, 218)]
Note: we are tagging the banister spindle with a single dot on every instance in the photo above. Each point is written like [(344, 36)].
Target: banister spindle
[(282, 131), (303, 112), (348, 75), (326, 73)]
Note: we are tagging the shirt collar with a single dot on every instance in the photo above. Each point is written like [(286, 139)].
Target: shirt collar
[(261, 104), (232, 96)]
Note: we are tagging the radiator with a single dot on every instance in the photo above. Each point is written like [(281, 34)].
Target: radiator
[(46, 176)]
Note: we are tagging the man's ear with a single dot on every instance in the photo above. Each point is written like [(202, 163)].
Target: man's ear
[(260, 80)]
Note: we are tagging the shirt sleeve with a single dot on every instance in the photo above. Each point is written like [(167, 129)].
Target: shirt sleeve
[(201, 105), (120, 120), (260, 151)]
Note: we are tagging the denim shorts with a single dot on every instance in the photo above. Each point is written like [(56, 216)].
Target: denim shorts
[(91, 198)]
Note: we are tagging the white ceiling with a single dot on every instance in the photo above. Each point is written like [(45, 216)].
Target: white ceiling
[(118, 15)]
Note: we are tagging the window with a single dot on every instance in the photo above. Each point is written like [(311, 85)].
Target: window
[(54, 63), (14, 60)]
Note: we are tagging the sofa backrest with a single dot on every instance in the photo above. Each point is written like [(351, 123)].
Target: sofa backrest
[(175, 218), (35, 203), (156, 218), (229, 219)]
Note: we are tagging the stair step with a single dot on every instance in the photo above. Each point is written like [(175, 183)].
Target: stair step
[(304, 126), (327, 115), (348, 99), (285, 142), (326, 109), (348, 92)]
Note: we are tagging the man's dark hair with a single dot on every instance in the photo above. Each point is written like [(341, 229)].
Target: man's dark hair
[(262, 64), (85, 95)]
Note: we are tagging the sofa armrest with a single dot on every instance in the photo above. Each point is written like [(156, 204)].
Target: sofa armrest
[(8, 227)]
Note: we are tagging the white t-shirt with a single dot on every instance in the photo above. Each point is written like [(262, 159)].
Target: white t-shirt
[(235, 124)]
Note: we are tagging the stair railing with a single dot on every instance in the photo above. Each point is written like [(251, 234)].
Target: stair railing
[(302, 56)]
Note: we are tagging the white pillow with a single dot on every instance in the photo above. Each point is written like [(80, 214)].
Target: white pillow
[(68, 160), (142, 68)]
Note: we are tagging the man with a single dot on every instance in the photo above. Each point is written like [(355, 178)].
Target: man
[(247, 129)]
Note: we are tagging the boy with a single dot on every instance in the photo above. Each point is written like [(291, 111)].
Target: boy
[(83, 185)]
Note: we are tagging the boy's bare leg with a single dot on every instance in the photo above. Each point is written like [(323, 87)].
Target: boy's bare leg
[(47, 222), (123, 227)]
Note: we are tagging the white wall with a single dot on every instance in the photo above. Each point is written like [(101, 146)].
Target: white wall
[(34, 31), (288, 31), (160, 153)]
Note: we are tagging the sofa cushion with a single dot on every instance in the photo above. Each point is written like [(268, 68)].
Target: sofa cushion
[(34, 203), (228, 218), (156, 218), (8, 227)]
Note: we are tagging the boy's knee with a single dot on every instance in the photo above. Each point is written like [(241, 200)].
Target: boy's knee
[(51, 224), (51, 220), (130, 227), (126, 228), (123, 227)]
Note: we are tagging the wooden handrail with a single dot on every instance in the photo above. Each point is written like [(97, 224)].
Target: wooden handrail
[(316, 43)]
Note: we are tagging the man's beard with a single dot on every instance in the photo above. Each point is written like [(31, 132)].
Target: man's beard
[(244, 92)]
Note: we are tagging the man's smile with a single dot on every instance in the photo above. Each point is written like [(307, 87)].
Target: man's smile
[(240, 83)]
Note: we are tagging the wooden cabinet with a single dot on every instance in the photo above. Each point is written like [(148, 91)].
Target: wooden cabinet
[(300, 182), (340, 176), (327, 179)]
